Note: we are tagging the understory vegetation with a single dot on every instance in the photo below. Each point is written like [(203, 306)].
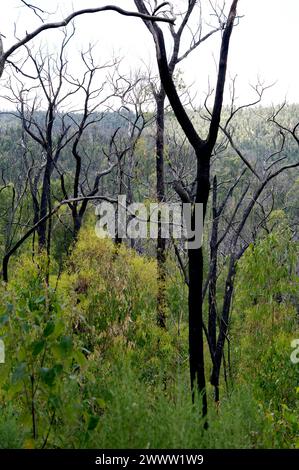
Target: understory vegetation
[(86, 366)]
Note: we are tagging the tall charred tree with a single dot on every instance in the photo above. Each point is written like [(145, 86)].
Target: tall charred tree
[(203, 149), (160, 98)]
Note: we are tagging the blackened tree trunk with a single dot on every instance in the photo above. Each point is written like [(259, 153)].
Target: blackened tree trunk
[(44, 206), (195, 299), (77, 223), (196, 344), (213, 270), (160, 96), (219, 350), (161, 242)]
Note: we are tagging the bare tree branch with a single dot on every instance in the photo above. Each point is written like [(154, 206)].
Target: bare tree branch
[(54, 25)]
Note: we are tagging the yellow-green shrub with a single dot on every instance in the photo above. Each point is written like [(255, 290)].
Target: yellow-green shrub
[(106, 287)]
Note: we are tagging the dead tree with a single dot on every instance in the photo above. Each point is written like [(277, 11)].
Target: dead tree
[(203, 148), (85, 183), (13, 208), (38, 108), (176, 57), (6, 55), (136, 117), (253, 184)]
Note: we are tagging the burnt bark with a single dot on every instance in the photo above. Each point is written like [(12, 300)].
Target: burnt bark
[(212, 323), (44, 206), (229, 287), (195, 297), (160, 184)]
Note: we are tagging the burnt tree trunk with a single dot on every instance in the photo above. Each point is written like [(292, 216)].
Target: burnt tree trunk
[(45, 204), (229, 287), (161, 242), (195, 303), (212, 323), (77, 223)]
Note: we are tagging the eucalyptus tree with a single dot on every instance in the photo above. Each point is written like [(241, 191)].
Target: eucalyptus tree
[(203, 148), (176, 57)]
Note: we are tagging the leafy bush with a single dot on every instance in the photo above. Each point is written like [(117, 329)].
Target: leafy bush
[(44, 360), (264, 324), (106, 288)]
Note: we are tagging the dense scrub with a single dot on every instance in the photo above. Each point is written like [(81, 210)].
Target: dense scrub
[(87, 367)]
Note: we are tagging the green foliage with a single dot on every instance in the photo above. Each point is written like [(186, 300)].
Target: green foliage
[(44, 360), (264, 324), (267, 272), (87, 367), (138, 415), (106, 288), (11, 432)]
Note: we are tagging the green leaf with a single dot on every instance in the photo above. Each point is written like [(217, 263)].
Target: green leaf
[(55, 401), (92, 422), (49, 329), (101, 403), (37, 347), (58, 368), (59, 327), (9, 307), (80, 358), (66, 345), (48, 376)]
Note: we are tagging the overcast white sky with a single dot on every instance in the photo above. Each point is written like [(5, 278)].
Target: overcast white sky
[(264, 45)]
